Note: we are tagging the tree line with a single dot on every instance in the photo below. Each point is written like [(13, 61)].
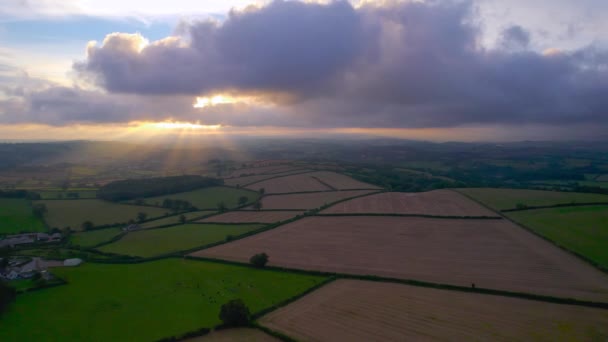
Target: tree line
[(138, 188)]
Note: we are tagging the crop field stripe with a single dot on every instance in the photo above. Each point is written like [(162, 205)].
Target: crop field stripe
[(531, 231), (419, 283)]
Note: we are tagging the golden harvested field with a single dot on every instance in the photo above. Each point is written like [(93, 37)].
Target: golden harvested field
[(341, 182), (436, 203), (493, 254), (236, 334), (296, 183), (308, 201), (353, 310), (252, 216)]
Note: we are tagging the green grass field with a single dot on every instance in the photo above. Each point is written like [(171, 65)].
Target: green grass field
[(502, 199), (54, 194), (72, 213), (16, 216), (208, 198), (583, 230), (94, 237), (147, 243), (143, 302), (175, 219)]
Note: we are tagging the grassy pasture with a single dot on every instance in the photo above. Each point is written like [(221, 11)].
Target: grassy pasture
[(502, 199), (208, 198), (583, 230), (153, 242), (175, 219), (72, 213), (94, 237), (143, 302), (16, 216)]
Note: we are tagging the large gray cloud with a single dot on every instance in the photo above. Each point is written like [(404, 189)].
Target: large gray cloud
[(398, 64)]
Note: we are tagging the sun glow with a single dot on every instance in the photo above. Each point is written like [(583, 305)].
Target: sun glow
[(178, 125), (202, 102)]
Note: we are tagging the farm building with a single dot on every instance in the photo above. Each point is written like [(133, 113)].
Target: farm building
[(72, 262)]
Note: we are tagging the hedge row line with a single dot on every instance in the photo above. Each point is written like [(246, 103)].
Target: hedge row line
[(412, 282), (528, 229), (417, 215), (560, 205)]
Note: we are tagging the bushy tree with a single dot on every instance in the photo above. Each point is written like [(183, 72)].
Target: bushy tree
[(257, 205), (243, 200), (235, 313), (221, 207), (182, 219), (141, 217), (7, 295), (259, 260), (87, 225)]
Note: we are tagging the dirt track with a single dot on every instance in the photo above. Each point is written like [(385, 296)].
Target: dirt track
[(436, 203), (308, 201), (492, 254), (351, 310), (252, 216)]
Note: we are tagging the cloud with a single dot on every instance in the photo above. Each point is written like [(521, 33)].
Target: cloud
[(390, 64)]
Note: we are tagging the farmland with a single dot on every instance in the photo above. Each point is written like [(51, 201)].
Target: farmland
[(207, 198), (579, 229), (236, 334), (72, 213), (502, 199), (94, 237), (295, 183), (16, 216), (492, 254), (245, 180), (375, 311), (263, 170), (175, 219), (252, 216), (434, 203), (341, 182), (308, 201), (152, 242), (143, 302)]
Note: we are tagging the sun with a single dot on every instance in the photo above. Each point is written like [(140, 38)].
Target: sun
[(179, 125), (202, 102)]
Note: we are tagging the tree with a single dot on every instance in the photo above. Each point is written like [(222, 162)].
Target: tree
[(257, 205), (259, 260), (39, 210), (235, 313), (262, 191), (182, 219), (243, 200), (7, 295), (221, 207), (141, 217), (87, 225)]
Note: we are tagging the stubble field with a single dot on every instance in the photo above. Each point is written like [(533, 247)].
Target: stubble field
[(433, 203), (352, 310), (493, 254)]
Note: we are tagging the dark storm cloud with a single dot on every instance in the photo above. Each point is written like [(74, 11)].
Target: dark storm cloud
[(399, 64), (283, 47)]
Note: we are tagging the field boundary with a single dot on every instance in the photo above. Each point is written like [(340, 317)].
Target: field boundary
[(275, 177), (552, 242), (324, 183), (419, 283), (412, 215), (559, 205)]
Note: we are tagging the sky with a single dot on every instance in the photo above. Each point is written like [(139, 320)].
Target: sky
[(466, 70)]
